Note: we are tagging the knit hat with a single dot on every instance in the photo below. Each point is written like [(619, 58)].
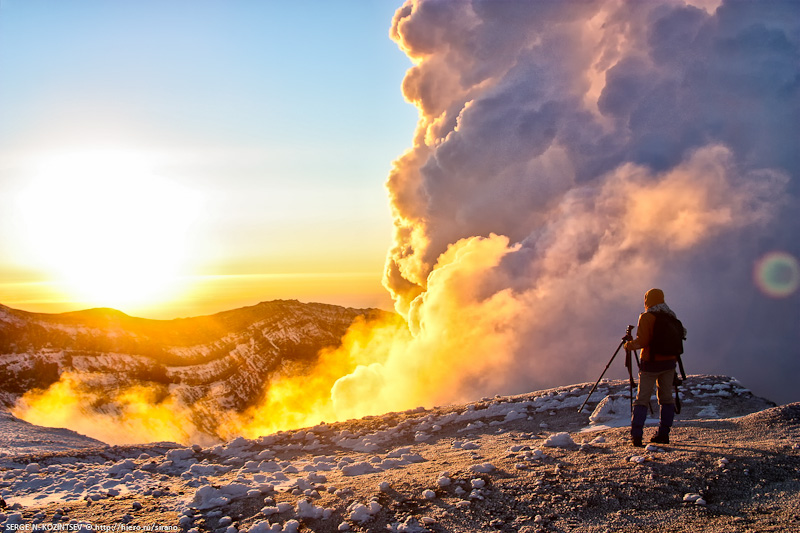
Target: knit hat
[(653, 297)]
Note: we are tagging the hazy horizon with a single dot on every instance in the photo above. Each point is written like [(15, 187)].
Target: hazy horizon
[(174, 159)]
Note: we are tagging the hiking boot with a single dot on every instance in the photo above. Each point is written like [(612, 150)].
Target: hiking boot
[(637, 424), (660, 439)]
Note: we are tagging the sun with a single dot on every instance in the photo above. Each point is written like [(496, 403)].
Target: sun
[(107, 227)]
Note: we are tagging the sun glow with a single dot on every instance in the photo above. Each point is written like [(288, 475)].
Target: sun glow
[(107, 227)]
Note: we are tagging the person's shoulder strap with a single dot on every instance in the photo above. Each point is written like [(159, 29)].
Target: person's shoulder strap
[(680, 365)]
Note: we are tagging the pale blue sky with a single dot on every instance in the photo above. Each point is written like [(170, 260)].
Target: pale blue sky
[(284, 116)]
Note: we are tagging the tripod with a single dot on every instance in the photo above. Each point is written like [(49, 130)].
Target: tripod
[(626, 338), (629, 366)]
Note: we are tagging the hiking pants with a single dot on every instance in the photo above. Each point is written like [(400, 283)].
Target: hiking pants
[(662, 381)]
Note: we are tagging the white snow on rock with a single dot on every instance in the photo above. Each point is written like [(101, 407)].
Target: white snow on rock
[(559, 440), (473, 426), (694, 498), (514, 415), (484, 468), (208, 496), (291, 526), (709, 411), (181, 456), (362, 513), (200, 470), (399, 452), (306, 509), (358, 469), (532, 455), (611, 412), (409, 525)]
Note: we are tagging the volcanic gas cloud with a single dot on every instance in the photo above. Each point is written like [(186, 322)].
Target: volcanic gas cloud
[(568, 157)]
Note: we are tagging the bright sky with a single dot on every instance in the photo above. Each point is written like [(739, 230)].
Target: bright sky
[(182, 158)]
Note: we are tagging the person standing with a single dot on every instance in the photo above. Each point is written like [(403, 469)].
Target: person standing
[(659, 335)]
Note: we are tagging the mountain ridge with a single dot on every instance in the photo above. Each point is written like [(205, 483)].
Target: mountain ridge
[(113, 318), (213, 363)]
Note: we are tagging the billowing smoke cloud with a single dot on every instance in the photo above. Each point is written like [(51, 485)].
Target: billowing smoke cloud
[(581, 153)]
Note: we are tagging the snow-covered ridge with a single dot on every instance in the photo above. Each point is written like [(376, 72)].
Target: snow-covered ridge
[(313, 477), (226, 358), (8, 316)]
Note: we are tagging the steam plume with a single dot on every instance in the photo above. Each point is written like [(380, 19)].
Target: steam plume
[(589, 151), (132, 415)]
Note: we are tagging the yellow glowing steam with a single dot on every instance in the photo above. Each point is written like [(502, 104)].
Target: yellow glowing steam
[(383, 367), (133, 415), (390, 365), (311, 398)]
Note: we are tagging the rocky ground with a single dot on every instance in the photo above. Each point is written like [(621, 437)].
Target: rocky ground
[(527, 463)]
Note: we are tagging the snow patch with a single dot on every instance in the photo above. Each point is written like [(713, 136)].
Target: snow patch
[(484, 468), (362, 513), (559, 440)]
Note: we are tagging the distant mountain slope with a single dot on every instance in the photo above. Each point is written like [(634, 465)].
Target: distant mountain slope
[(213, 363), (20, 437)]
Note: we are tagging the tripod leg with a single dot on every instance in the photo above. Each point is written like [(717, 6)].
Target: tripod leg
[(629, 366), (601, 376), (631, 397)]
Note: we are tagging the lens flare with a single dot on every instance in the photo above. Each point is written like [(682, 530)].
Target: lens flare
[(777, 274)]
